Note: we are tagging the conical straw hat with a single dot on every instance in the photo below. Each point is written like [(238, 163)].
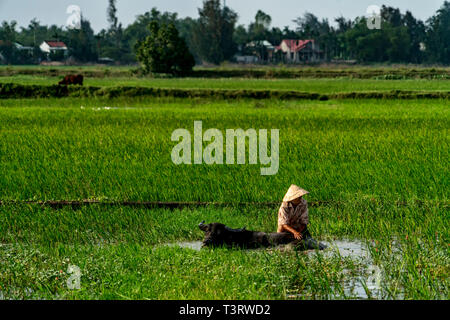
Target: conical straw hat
[(294, 192)]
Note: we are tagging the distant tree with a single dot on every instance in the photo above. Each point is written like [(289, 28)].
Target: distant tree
[(398, 40), (115, 28), (213, 32), (343, 25), (438, 35), (341, 49), (186, 28), (310, 27), (111, 42), (139, 30), (391, 15), (112, 15), (163, 51), (366, 45), (398, 45), (241, 36), (416, 32), (8, 50), (289, 34), (275, 36), (35, 33), (82, 42), (404, 33), (7, 37), (259, 29), (8, 32), (263, 19), (33, 27)]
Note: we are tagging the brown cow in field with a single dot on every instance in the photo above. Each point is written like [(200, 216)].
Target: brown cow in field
[(72, 79)]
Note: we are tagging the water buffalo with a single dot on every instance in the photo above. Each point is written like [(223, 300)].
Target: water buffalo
[(72, 79), (218, 234)]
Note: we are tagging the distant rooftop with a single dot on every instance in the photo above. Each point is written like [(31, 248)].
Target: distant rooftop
[(295, 45), (56, 44)]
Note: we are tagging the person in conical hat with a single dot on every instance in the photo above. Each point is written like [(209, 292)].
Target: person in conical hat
[(293, 214)]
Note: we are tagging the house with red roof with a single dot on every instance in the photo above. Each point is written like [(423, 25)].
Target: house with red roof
[(296, 51), (54, 48)]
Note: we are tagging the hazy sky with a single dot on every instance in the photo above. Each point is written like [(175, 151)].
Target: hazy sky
[(282, 11)]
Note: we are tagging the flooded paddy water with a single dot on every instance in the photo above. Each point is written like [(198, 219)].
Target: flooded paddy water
[(345, 248), (194, 245), (365, 285), (359, 279)]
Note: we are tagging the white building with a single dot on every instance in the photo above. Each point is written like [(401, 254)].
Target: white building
[(53, 47)]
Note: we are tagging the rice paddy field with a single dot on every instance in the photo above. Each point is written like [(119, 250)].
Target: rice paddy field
[(376, 169), (309, 85)]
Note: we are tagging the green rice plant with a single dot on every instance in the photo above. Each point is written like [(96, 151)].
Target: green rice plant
[(16, 87), (268, 72), (120, 150)]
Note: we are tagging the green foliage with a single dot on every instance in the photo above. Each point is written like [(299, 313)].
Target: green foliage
[(259, 30), (438, 35), (367, 45), (213, 32), (164, 51), (112, 15), (400, 38), (81, 42), (138, 31), (214, 36), (8, 31), (8, 52), (113, 43)]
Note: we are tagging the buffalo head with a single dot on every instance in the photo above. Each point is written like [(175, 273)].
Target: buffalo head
[(218, 234), (215, 234)]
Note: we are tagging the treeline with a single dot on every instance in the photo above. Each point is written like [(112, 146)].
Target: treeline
[(215, 37)]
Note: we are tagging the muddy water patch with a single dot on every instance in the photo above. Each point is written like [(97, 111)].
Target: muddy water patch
[(344, 248), (193, 245), (348, 248), (366, 281), (363, 282)]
